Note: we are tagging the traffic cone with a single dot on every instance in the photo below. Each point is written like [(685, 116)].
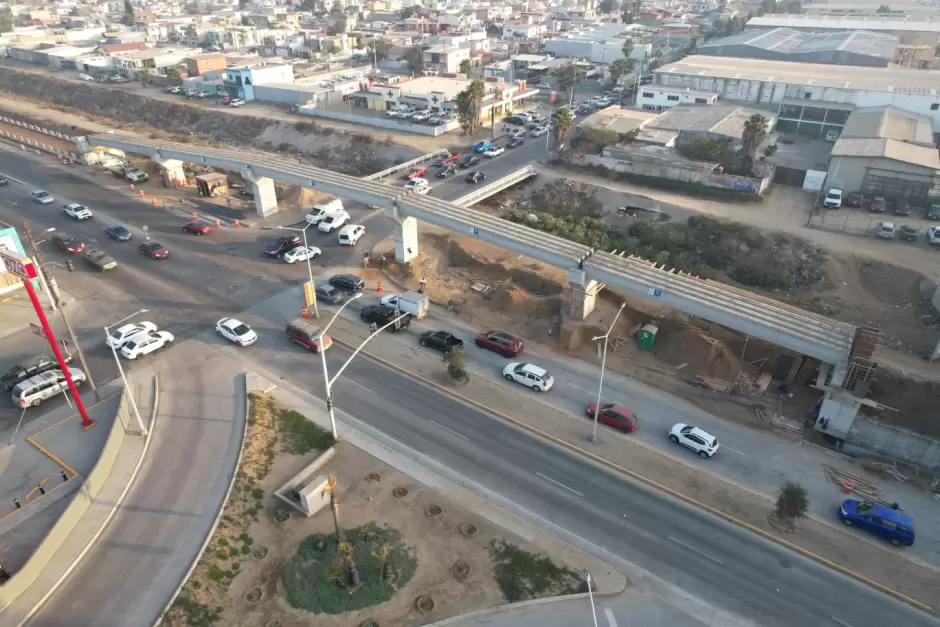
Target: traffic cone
[(378, 286), (237, 223), (195, 216), (131, 187), (141, 193), (218, 223), (153, 201), (304, 313)]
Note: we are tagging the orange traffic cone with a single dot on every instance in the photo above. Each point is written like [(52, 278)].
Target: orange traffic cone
[(378, 286)]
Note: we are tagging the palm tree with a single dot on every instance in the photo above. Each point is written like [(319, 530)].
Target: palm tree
[(468, 106), (755, 131), (334, 505), (173, 74), (568, 79), (563, 123)]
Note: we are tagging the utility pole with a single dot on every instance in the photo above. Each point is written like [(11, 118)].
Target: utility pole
[(28, 232)]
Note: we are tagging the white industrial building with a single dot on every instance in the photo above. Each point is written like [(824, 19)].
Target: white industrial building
[(658, 98), (911, 31)]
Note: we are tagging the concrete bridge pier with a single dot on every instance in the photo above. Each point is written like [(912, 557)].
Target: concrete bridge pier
[(173, 174), (406, 235), (265, 196), (584, 291)]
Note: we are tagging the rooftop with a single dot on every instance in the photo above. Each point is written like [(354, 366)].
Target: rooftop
[(620, 121), (722, 119), (887, 122), (893, 80), (788, 41), (879, 148), (918, 24)]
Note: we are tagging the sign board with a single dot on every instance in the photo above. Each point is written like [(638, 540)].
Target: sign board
[(38, 330), (655, 293), (476, 231), (18, 265)]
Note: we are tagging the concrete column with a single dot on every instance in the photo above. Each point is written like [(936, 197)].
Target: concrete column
[(584, 293), (173, 174), (265, 197), (406, 235), (839, 372)]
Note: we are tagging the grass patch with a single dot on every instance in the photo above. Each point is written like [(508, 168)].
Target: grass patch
[(312, 578), (522, 575), (194, 613), (299, 435)]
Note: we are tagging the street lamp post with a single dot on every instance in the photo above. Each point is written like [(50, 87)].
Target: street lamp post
[(600, 386), (313, 287), (587, 579), (117, 360)]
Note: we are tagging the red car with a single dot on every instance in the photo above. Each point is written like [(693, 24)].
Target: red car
[(197, 228), (68, 243), (154, 250), (615, 416), (416, 172), (448, 160), (499, 342)]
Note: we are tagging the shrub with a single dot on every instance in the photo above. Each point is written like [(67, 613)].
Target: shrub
[(792, 504), (455, 360)]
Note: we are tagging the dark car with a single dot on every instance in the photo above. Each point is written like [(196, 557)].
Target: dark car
[(468, 162), (515, 120), (515, 143), (440, 340), (154, 250), (903, 208), (475, 177), (499, 342), (30, 368), (197, 228), (878, 204), (282, 245), (99, 260), (118, 233), (854, 199), (347, 282), (908, 233), (382, 315), (68, 243), (329, 294), (446, 171), (615, 416)]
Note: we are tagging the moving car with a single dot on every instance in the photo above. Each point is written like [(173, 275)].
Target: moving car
[(833, 199), (118, 233), (446, 171), (154, 250), (492, 153), (415, 172), (440, 340), (448, 159), (197, 228), (68, 243), (482, 146), (350, 234), (301, 253), (499, 342), (475, 177), (42, 197), (382, 315), (30, 368), (515, 143), (100, 260), (530, 376), (419, 185), (468, 162), (144, 344), (124, 333), (41, 387), (236, 102), (77, 211), (518, 132), (307, 333), (328, 294), (538, 131), (236, 331), (615, 416), (347, 282), (332, 222), (880, 520), (693, 438), (281, 245), (4, 181)]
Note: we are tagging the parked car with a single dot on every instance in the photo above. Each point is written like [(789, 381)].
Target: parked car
[(499, 342), (468, 162), (383, 315), (141, 345), (482, 145), (122, 334), (30, 368), (538, 131), (4, 181), (301, 253), (933, 235), (236, 331), (197, 228), (33, 391), (440, 340), (695, 439), (282, 245), (99, 260), (516, 120), (118, 233), (854, 199), (878, 204), (154, 250), (833, 199), (421, 116), (77, 211), (615, 416), (902, 208), (326, 293), (475, 177), (42, 197), (880, 520), (236, 102), (530, 376), (68, 243), (908, 232), (347, 282), (416, 172), (884, 230), (932, 212), (515, 143), (492, 153)]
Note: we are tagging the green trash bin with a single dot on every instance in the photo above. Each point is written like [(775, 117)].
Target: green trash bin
[(647, 337)]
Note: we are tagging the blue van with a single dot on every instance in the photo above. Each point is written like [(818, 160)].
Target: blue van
[(894, 525)]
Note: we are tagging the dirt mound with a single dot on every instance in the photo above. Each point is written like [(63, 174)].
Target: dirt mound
[(702, 354), (916, 401), (889, 284), (511, 299)]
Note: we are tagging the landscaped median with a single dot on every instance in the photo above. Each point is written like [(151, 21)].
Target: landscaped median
[(883, 567)]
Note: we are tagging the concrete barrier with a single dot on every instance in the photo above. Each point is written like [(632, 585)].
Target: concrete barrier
[(303, 478), (27, 575)]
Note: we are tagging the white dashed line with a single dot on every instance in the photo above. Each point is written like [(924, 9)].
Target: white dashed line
[(841, 622), (449, 430), (609, 613), (695, 550), (559, 484)]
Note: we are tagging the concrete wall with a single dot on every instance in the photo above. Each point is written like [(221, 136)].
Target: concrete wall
[(36, 145), (894, 442), (31, 570), (388, 123), (849, 173), (303, 478)]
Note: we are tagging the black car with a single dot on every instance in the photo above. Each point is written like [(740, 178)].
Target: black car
[(443, 173), (329, 294), (382, 315), (347, 282), (468, 161), (282, 245), (118, 233), (475, 177), (908, 233), (515, 143), (440, 340), (854, 199), (30, 368), (515, 120)]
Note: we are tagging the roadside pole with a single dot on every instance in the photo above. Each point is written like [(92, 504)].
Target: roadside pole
[(28, 232)]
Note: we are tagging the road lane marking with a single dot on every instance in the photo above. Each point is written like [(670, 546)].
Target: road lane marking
[(578, 387), (559, 484), (840, 622), (449, 430), (609, 613), (695, 550)]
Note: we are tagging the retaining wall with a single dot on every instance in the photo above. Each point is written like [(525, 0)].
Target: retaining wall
[(894, 442), (30, 143)]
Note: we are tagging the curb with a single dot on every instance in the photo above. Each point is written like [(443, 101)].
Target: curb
[(662, 488), (114, 508), (218, 516)]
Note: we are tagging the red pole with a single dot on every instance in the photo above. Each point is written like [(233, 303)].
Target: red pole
[(87, 423)]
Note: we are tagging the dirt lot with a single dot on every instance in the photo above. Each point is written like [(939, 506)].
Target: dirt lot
[(442, 560)]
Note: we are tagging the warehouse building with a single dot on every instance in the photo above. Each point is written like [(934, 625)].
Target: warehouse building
[(862, 48), (923, 32)]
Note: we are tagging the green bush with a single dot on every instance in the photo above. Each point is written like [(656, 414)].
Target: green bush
[(300, 435), (522, 575)]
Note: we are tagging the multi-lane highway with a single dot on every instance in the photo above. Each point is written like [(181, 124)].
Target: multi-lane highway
[(223, 274)]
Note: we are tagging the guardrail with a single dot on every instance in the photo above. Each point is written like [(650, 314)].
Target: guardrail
[(495, 187), (401, 167)]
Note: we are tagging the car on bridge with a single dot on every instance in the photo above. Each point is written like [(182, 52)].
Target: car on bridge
[(475, 177), (118, 233), (419, 186), (77, 211), (154, 250), (99, 260), (482, 145), (530, 376), (4, 181), (695, 439), (468, 162), (141, 345), (282, 245), (492, 153), (440, 340), (68, 243), (500, 342), (448, 159), (42, 197), (236, 331), (347, 282), (197, 228), (446, 171), (416, 172), (616, 416)]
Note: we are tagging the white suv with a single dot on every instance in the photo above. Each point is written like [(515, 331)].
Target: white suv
[(530, 376), (698, 440), (833, 199), (333, 222)]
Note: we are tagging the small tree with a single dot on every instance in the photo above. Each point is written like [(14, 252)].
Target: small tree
[(563, 122), (568, 79), (128, 18), (792, 504), (415, 58), (143, 76), (173, 74), (334, 506), (608, 6), (755, 131), (455, 360), (620, 67), (379, 48), (6, 22), (466, 67)]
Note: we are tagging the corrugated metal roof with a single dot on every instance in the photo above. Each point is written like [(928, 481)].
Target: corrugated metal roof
[(879, 148), (887, 122), (823, 22)]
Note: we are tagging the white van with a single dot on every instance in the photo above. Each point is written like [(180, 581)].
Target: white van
[(333, 221), (318, 212), (35, 390), (350, 234)]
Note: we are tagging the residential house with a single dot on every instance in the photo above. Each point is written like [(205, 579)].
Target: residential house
[(445, 59), (202, 63), (240, 82)]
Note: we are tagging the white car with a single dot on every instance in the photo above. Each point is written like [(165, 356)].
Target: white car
[(77, 211), (544, 85), (42, 197), (350, 234), (236, 331), (538, 131), (833, 199), (698, 440), (421, 116), (493, 152), (238, 102), (301, 253), (530, 376), (122, 334), (145, 344), (519, 132), (332, 222), (933, 235), (416, 185)]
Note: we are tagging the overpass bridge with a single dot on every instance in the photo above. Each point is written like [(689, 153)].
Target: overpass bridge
[(806, 333)]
